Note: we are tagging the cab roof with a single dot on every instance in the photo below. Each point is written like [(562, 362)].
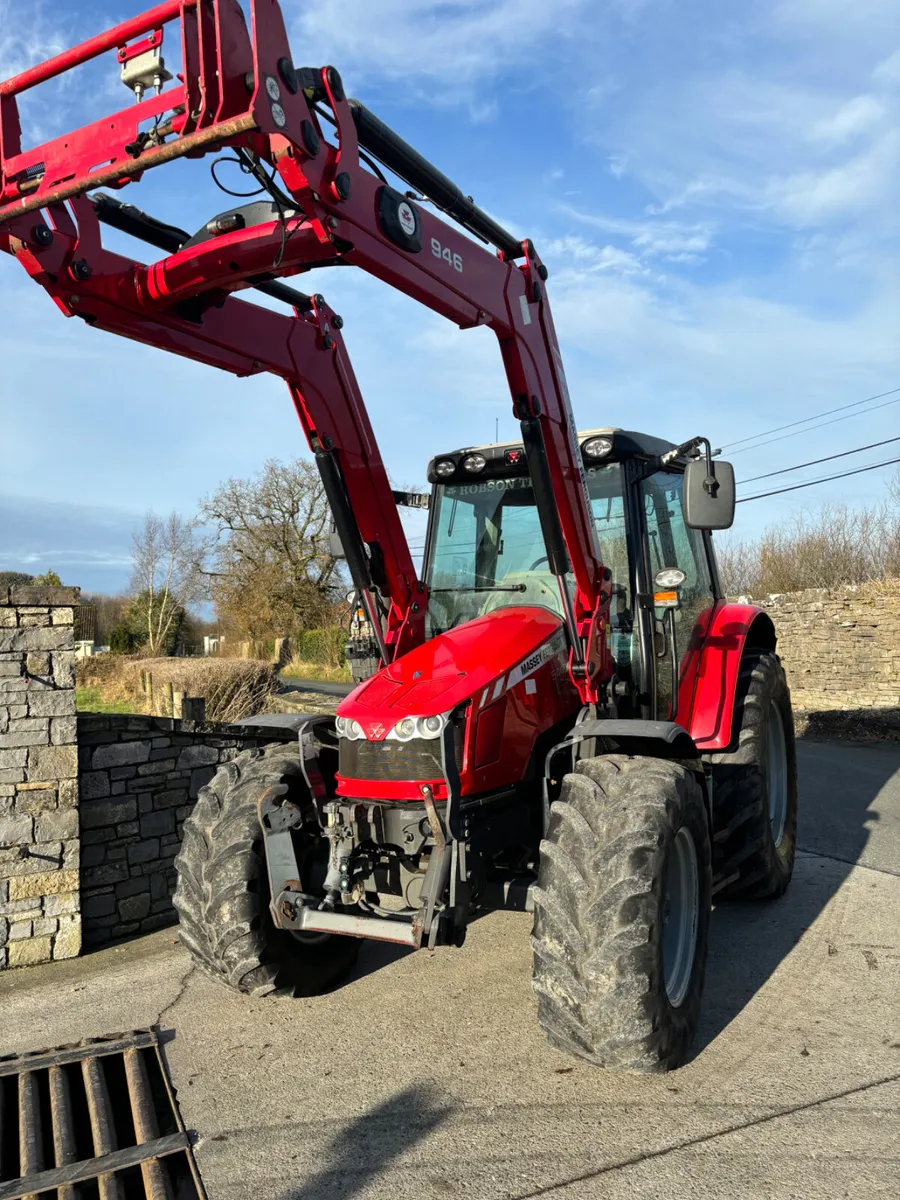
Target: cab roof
[(625, 444)]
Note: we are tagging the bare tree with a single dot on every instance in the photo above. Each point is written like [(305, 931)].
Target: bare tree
[(269, 564), (832, 547), (165, 577)]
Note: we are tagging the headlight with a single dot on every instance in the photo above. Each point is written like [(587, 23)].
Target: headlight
[(430, 727), (444, 468), (423, 727), (348, 728), (597, 447), (669, 577), (404, 730), (473, 463)]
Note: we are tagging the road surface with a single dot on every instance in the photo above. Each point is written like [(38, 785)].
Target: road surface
[(321, 686), (427, 1076)]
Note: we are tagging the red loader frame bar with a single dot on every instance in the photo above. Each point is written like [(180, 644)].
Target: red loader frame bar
[(240, 90)]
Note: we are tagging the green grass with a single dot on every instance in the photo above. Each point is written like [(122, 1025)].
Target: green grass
[(91, 700), (298, 669)]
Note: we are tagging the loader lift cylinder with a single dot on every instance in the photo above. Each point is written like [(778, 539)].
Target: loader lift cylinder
[(398, 156)]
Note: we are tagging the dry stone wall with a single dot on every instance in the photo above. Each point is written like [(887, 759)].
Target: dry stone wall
[(39, 830), (841, 648), (139, 779)]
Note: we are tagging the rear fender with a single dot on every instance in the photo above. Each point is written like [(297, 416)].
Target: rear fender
[(733, 629)]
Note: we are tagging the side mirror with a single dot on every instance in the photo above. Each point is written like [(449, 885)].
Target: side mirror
[(707, 500)]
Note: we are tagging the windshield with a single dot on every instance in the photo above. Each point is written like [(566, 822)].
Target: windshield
[(487, 550)]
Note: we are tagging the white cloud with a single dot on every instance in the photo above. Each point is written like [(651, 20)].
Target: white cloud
[(852, 189), (851, 119), (27, 36), (424, 42), (651, 238)]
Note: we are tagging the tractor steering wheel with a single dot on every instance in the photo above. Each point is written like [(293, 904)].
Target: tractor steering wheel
[(537, 562)]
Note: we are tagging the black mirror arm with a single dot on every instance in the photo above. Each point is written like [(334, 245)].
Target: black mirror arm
[(689, 448)]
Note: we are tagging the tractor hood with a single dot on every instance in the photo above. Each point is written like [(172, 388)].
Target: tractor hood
[(450, 668)]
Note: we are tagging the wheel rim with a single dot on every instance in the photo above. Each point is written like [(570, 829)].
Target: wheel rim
[(681, 904), (777, 774)]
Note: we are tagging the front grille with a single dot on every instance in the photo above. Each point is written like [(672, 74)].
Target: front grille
[(391, 762), (97, 1118)]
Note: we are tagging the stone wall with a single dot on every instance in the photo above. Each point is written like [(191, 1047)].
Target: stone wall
[(139, 778), (39, 845), (841, 648)]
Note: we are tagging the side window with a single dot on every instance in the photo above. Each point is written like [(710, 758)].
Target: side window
[(672, 544)]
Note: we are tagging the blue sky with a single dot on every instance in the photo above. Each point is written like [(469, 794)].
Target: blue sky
[(713, 187)]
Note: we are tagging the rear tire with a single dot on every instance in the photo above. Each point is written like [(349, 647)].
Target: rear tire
[(222, 896), (606, 970), (755, 787)]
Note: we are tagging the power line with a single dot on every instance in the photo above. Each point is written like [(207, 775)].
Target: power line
[(815, 461), (822, 424), (812, 482), (841, 408)]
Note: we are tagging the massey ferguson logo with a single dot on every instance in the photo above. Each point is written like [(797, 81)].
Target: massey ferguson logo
[(407, 219), (377, 731)]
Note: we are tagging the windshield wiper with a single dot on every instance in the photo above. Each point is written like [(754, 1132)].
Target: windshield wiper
[(497, 587)]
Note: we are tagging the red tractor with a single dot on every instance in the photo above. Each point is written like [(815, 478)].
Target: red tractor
[(568, 715)]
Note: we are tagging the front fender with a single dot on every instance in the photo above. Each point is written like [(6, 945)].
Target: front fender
[(732, 628)]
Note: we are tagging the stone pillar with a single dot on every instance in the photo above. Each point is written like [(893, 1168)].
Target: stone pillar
[(40, 911)]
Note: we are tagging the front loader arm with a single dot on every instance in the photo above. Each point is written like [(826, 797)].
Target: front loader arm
[(305, 349), (241, 90)]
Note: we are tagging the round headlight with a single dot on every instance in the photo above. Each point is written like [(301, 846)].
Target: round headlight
[(473, 463), (348, 728), (669, 577), (444, 468), (406, 729), (430, 727), (597, 447)]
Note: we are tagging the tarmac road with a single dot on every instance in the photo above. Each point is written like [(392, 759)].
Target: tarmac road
[(322, 686), (427, 1075)]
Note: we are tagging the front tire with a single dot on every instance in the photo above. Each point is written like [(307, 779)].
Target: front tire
[(222, 896), (622, 913), (755, 787)]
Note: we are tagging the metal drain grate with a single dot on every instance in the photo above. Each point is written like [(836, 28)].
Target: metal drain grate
[(94, 1121)]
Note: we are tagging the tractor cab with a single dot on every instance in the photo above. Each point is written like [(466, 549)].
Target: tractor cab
[(485, 548)]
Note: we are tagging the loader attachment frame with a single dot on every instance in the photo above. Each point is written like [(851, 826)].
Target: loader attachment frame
[(239, 89)]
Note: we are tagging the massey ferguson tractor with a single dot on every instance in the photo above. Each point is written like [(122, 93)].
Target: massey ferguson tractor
[(568, 717)]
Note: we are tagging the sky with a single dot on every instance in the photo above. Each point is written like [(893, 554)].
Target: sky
[(713, 188)]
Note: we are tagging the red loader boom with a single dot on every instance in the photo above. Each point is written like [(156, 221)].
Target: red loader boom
[(241, 91)]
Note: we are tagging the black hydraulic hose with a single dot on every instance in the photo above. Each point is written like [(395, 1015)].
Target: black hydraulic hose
[(128, 219), (398, 156)]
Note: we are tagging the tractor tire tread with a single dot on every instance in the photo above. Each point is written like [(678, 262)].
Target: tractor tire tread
[(222, 890), (742, 839), (595, 952)]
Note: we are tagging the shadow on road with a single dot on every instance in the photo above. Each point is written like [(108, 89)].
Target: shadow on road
[(839, 812), (363, 1149), (373, 957)]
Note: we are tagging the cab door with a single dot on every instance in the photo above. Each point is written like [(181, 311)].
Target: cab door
[(670, 543)]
